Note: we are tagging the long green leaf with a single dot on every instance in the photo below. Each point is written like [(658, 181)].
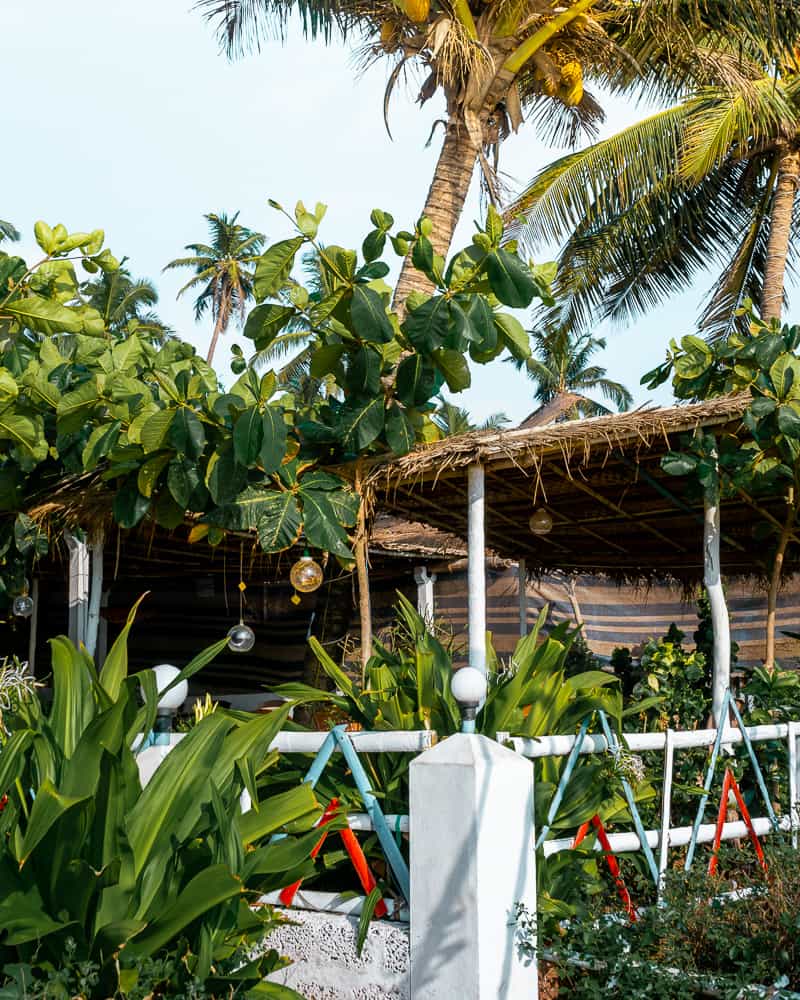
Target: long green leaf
[(277, 811), (115, 668)]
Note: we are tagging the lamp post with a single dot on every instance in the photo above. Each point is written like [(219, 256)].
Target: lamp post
[(169, 703), (469, 690)]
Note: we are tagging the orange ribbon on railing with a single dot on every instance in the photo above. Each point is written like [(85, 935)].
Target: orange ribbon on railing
[(730, 784), (611, 861)]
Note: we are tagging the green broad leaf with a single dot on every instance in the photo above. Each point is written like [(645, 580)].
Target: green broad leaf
[(369, 317), (115, 668), (327, 360), (428, 324), (75, 407), (514, 335), (48, 808), (785, 374), (273, 267), (510, 279), (494, 225), (373, 245), (209, 888), (361, 422), (153, 432), (789, 421), (73, 704), (24, 920), (186, 434), (265, 322), (399, 432), (278, 521), (364, 372), (278, 811), (338, 266), (101, 441), (417, 381), (273, 439), (149, 473), (318, 479), (762, 406), (129, 506), (422, 255), (321, 526), (44, 236), (169, 514), (345, 504), (248, 436), (29, 537), (183, 478), (14, 759), (453, 365), (485, 336), (44, 315), (225, 478), (769, 347), (25, 433)]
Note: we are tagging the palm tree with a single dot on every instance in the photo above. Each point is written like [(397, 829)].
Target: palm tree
[(453, 420), (560, 367), (125, 304), (223, 272), (500, 62), (710, 182), (8, 232)]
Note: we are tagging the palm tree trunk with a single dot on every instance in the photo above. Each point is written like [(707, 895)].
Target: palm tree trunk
[(775, 581), (445, 201), (780, 230), (219, 326)]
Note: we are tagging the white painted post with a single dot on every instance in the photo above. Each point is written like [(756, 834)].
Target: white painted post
[(666, 809), (794, 780), (719, 609), (472, 861), (78, 588), (522, 578), (95, 596), (425, 598), (476, 574)]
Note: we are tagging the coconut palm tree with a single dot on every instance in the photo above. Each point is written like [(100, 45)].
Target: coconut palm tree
[(223, 271), (453, 420), (710, 182), (500, 62), (560, 367), (125, 304)]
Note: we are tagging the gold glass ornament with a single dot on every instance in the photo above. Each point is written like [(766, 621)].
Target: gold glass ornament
[(306, 574), (540, 523)]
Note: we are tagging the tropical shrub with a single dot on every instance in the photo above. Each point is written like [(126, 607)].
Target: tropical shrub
[(676, 683), (698, 944), (100, 878)]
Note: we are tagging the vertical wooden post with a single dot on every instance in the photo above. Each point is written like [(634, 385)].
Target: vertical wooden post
[(476, 573), (522, 580), (719, 609), (34, 627)]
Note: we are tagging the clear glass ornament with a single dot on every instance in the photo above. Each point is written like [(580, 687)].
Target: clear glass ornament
[(241, 638), (22, 606)]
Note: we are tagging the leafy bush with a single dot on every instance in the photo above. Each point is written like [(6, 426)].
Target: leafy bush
[(99, 877), (697, 942), (677, 680)]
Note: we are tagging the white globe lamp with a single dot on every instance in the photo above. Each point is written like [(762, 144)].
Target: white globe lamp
[(468, 686), (168, 703)]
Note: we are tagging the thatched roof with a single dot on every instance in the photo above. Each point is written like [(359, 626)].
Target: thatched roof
[(614, 510)]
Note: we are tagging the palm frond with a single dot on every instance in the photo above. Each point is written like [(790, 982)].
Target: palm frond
[(8, 231)]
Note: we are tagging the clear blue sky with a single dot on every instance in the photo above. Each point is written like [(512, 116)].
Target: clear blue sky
[(125, 116)]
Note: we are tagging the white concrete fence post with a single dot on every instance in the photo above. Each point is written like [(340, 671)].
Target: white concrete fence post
[(472, 861)]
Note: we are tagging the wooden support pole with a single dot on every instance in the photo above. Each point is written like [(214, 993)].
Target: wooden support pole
[(476, 573), (522, 580), (712, 577)]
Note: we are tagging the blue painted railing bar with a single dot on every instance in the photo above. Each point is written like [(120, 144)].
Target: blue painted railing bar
[(563, 781)]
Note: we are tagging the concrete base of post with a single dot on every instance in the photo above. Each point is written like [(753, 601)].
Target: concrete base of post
[(472, 861)]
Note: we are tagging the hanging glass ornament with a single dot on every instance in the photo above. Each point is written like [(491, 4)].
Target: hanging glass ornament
[(241, 638), (540, 523), (306, 575), (22, 606)]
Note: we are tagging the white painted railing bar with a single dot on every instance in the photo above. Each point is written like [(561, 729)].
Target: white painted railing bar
[(330, 902), (413, 741), (361, 821), (679, 836), (560, 746)]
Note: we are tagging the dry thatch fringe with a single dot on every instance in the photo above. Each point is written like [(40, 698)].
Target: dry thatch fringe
[(573, 441)]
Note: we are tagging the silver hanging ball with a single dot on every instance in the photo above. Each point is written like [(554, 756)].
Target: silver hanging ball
[(241, 638), (22, 606)]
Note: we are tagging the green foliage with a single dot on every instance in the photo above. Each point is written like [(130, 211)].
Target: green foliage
[(696, 944), (94, 867), (679, 681), (84, 391)]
